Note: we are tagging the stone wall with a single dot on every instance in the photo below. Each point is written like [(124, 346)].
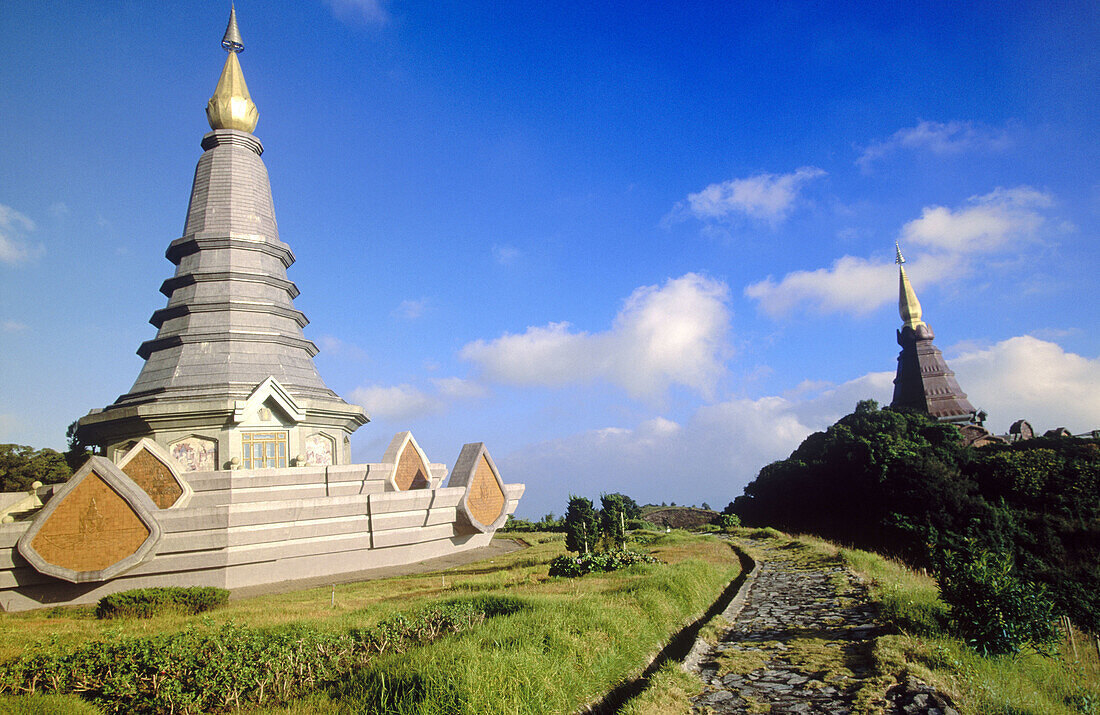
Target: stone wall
[(247, 528)]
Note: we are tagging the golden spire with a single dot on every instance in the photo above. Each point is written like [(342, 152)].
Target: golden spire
[(908, 305), (231, 107)]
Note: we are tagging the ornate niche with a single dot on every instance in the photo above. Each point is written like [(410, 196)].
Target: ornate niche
[(320, 450), (99, 525), (195, 453), (411, 466), (154, 470), (483, 506)]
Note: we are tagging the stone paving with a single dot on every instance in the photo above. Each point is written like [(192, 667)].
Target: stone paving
[(799, 641)]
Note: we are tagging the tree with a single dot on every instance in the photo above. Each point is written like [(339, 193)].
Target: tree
[(707, 506), (78, 451), (21, 466), (612, 521), (901, 483), (580, 525), (992, 608), (630, 507)]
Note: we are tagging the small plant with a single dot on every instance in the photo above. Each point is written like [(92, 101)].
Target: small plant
[(992, 609), (727, 522), (573, 566), (149, 602)]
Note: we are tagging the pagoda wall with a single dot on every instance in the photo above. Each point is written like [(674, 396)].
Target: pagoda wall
[(249, 528)]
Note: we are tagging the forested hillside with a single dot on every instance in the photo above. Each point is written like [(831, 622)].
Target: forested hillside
[(903, 484)]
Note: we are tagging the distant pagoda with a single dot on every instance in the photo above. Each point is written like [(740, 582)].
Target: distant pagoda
[(229, 379), (924, 382)]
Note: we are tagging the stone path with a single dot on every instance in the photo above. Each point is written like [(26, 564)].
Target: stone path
[(799, 642)]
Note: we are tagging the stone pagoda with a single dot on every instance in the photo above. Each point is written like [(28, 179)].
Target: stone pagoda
[(229, 379), (227, 463), (924, 382)]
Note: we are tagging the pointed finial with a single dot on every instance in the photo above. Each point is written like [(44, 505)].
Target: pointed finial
[(231, 107), (908, 305), (232, 40)]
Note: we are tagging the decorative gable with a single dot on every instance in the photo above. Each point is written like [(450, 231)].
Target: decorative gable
[(483, 505), (411, 468), (270, 392), (98, 525), (151, 467)]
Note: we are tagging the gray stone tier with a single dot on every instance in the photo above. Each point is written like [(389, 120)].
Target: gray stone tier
[(230, 322)]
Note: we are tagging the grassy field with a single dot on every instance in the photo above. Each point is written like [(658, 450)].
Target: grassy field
[(1028, 683), (571, 642)]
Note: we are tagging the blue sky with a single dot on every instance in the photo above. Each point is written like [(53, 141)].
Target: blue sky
[(642, 249)]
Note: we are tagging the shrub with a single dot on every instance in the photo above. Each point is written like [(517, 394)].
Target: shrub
[(149, 602), (727, 522), (990, 608), (234, 666), (573, 566), (581, 525)]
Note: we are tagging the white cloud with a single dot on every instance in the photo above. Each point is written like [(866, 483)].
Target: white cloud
[(58, 209), (940, 138), (407, 402), (12, 326), (766, 197), (668, 335), (14, 249), (946, 241), (708, 458), (335, 346), (1032, 379), (411, 309), (851, 285), (360, 12), (721, 447), (988, 223), (400, 402), (505, 255), (456, 388)]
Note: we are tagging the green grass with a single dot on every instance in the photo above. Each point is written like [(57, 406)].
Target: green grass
[(573, 642), (670, 693), (1029, 682), (1026, 684)]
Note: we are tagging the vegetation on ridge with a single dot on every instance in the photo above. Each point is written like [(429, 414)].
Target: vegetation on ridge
[(903, 484)]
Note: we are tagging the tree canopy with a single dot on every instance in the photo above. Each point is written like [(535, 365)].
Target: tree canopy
[(901, 483), (21, 466)]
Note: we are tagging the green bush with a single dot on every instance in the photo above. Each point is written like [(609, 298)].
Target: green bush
[(149, 602), (234, 666), (573, 566), (727, 522), (990, 608)]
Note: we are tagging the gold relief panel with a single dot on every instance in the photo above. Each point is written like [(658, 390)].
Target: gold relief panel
[(409, 465), (93, 529), (97, 526), (484, 506), (411, 472), (485, 498), (153, 469), (155, 478)]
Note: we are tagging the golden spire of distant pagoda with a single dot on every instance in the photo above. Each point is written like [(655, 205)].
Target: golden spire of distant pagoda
[(231, 107), (908, 305)]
